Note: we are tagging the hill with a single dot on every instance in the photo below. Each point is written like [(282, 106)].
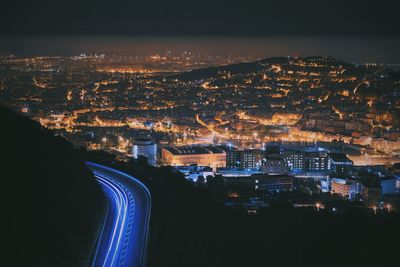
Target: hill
[(51, 203), (254, 67)]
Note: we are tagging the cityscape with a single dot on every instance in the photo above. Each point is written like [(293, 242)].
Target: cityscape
[(200, 134), (314, 117)]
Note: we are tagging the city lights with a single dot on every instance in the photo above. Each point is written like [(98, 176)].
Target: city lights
[(229, 133)]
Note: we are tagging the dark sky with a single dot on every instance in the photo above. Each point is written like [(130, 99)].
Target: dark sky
[(205, 17)]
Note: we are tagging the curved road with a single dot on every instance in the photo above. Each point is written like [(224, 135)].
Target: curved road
[(123, 236)]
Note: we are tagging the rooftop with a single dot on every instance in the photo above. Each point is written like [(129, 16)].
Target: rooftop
[(339, 157), (193, 150)]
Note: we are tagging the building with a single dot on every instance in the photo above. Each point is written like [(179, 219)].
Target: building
[(194, 172), (274, 164), (313, 159), (251, 158), (340, 163), (236, 172), (243, 159), (346, 187), (145, 147), (316, 159), (211, 156), (325, 184), (295, 160), (388, 185), (397, 183), (265, 182), (232, 156)]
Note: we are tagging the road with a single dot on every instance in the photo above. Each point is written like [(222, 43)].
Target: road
[(123, 235)]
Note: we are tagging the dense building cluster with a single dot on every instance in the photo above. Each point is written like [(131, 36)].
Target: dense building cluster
[(277, 168), (327, 118), (91, 97)]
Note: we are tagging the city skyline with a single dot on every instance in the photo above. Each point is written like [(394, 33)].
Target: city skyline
[(351, 49)]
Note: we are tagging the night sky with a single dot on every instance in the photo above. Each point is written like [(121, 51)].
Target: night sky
[(206, 17)]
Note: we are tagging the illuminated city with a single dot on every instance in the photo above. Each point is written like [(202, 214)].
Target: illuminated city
[(91, 99), (200, 133)]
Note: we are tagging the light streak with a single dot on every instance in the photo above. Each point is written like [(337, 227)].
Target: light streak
[(126, 230)]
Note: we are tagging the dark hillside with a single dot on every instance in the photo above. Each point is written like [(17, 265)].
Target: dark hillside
[(51, 203), (238, 68)]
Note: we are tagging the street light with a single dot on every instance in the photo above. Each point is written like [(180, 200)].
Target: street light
[(318, 205), (389, 207), (374, 208)]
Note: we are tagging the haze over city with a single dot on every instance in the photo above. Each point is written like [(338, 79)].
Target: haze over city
[(351, 49)]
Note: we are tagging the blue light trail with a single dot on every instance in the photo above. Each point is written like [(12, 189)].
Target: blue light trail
[(123, 236)]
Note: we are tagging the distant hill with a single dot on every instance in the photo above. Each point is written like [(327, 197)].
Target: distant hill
[(51, 203), (302, 80), (248, 67)]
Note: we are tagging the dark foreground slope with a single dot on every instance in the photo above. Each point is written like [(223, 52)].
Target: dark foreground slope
[(51, 204)]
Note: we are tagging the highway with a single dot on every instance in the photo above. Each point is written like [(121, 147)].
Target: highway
[(123, 234)]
